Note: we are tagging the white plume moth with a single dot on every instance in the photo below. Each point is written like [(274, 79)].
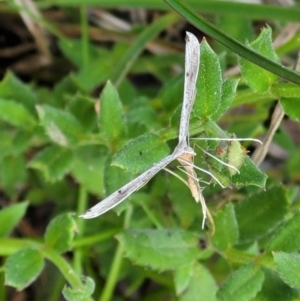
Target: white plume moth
[(183, 152)]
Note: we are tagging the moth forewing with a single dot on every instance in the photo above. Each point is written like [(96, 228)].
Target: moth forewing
[(192, 61), (121, 194)]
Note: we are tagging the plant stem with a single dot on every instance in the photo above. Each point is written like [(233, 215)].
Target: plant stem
[(151, 216), (63, 266), (82, 205), (116, 264), (94, 239), (85, 36)]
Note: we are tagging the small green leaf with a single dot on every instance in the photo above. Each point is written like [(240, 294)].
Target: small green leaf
[(242, 285), (287, 90), (11, 88), (141, 153), (142, 114), (291, 107), (10, 217), (236, 156), (182, 277), (61, 126), (286, 238), (80, 294), (249, 174), (275, 289), (288, 267), (256, 78), (209, 83), (53, 161), (111, 120), (160, 249), (242, 171), (23, 267), (114, 178), (228, 92), (226, 233), (60, 232), (12, 172), (83, 108), (65, 89), (256, 216), (88, 167), (16, 114), (201, 283)]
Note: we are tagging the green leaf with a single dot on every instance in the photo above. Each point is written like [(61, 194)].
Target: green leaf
[(209, 83), (141, 153), (288, 267), (60, 232), (10, 217), (286, 238), (242, 285), (141, 113), (228, 92), (53, 161), (287, 90), (12, 172), (249, 174), (275, 289), (255, 77), (16, 114), (160, 249), (291, 107), (111, 120), (61, 126), (64, 89), (226, 229), (23, 267), (88, 167), (234, 154), (256, 216), (114, 178), (11, 88), (14, 143), (80, 294), (182, 277), (201, 283), (83, 108)]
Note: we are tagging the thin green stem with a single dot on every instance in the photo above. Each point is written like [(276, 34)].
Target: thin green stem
[(116, 264), (81, 207), (94, 239), (63, 266), (151, 216), (188, 13), (84, 36), (10, 246)]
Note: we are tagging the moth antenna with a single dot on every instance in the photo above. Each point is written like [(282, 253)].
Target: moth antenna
[(205, 171), (181, 168), (219, 160), (228, 139), (177, 176)]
